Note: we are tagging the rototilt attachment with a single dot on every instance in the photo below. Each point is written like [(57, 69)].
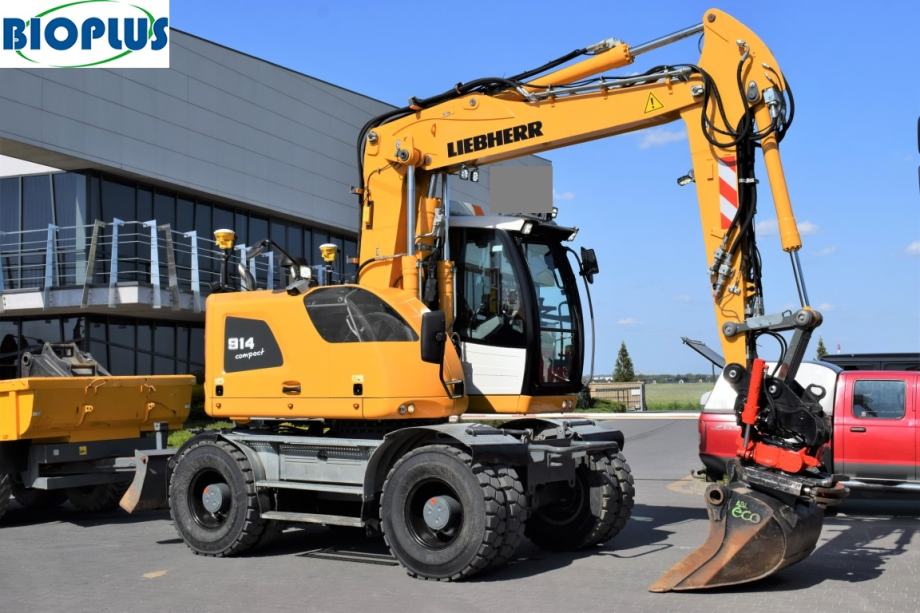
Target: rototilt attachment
[(752, 534)]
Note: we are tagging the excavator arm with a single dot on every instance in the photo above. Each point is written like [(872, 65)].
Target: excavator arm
[(734, 101)]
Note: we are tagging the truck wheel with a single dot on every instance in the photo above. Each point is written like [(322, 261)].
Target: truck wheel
[(96, 498), (591, 512), (6, 491), (35, 499), (213, 500), (516, 511), (442, 515)]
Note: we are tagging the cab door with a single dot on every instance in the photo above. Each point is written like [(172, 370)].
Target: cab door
[(877, 426)]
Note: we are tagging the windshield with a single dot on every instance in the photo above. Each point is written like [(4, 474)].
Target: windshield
[(558, 331)]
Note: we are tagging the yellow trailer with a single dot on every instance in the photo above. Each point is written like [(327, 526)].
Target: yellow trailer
[(66, 437)]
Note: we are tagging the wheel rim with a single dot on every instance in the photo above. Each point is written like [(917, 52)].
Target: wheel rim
[(203, 488), (441, 500), (569, 507)]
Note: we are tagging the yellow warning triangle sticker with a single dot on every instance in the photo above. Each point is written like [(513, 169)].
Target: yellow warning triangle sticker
[(653, 103)]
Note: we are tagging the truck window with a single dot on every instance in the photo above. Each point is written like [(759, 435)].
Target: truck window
[(879, 399), (348, 314)]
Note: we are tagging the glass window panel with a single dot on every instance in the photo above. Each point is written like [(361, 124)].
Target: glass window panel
[(10, 222), (196, 348), (144, 204), (143, 337), (70, 213), (36, 194), (353, 315), (241, 227), (164, 208), (122, 362), (74, 330), (122, 334), (144, 363), (9, 349), (118, 201), (36, 215), (98, 346), (879, 399), (489, 308), (164, 339), (294, 243), (182, 348), (223, 218), (207, 264), (37, 332), (164, 365), (308, 246), (185, 215)]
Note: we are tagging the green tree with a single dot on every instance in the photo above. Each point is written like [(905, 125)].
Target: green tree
[(821, 351), (623, 371)]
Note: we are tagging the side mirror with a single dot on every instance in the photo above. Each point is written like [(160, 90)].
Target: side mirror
[(433, 337), (247, 283), (589, 266)]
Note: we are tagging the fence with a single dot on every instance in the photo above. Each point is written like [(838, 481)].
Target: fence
[(120, 253), (631, 395)]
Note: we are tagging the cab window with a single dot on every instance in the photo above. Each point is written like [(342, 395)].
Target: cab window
[(490, 309), (558, 346), (879, 399), (348, 314)]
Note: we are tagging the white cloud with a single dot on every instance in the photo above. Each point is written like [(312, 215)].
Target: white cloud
[(913, 248), (769, 227), (628, 321), (829, 250), (824, 307), (563, 195), (662, 136), (685, 298)]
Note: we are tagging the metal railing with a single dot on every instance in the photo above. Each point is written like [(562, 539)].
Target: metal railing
[(115, 254)]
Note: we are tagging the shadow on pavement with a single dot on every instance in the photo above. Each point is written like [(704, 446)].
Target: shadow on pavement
[(18, 516)]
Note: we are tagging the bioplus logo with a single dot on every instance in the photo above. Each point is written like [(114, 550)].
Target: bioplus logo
[(84, 34)]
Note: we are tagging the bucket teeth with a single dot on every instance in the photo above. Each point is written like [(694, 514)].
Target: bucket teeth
[(751, 536)]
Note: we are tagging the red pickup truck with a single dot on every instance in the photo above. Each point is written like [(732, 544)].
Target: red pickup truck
[(876, 417)]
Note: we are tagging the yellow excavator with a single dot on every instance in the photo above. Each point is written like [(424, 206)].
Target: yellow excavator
[(343, 394)]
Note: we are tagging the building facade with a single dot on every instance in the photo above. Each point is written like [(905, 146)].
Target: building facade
[(106, 229)]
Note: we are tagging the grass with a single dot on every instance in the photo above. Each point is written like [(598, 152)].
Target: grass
[(675, 396), (179, 437)]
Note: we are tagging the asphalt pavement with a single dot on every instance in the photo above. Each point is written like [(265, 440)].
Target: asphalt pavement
[(64, 561)]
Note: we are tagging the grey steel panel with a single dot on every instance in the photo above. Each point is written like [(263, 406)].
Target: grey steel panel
[(337, 488), (314, 518)]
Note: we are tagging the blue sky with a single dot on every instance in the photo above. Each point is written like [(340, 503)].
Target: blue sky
[(850, 158)]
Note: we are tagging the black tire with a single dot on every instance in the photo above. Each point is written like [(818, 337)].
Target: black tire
[(456, 552), (231, 530), (6, 492), (592, 512), (516, 512), (31, 498), (96, 498)]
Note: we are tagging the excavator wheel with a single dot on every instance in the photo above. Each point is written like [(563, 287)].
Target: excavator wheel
[(443, 516), (6, 492), (590, 513), (34, 499), (96, 498), (517, 510), (213, 500)]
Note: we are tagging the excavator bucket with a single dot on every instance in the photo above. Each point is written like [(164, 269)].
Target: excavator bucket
[(149, 490), (751, 536)]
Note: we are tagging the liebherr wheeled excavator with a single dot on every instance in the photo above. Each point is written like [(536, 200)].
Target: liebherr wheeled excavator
[(343, 393)]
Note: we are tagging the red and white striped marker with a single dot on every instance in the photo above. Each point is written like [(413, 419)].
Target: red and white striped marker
[(728, 190)]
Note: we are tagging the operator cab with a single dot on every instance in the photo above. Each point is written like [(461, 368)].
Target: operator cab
[(518, 312)]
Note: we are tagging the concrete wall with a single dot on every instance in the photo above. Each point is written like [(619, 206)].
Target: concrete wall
[(218, 122)]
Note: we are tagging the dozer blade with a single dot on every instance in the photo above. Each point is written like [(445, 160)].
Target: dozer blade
[(751, 536), (149, 490)]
